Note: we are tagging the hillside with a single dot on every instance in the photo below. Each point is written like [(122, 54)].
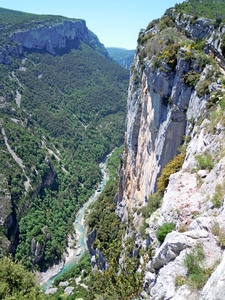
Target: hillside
[(171, 189), (62, 109), (157, 231), (122, 56)]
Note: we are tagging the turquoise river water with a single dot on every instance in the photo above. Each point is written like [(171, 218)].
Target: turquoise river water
[(80, 229)]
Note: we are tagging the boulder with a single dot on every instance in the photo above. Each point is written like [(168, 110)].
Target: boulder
[(174, 243), (69, 290), (51, 291)]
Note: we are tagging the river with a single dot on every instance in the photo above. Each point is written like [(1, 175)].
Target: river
[(76, 246)]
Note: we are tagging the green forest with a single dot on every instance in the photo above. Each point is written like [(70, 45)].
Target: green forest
[(61, 116)]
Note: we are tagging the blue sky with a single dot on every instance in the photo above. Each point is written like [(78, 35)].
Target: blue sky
[(115, 22)]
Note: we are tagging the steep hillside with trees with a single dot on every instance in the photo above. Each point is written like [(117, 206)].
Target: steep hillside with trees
[(62, 109)]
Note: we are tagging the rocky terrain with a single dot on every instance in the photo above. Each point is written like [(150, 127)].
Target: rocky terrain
[(170, 112)]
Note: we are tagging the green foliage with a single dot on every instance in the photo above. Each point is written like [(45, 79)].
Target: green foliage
[(163, 230), (205, 161), (172, 167), (16, 282), (191, 78), (217, 231), (102, 216), (203, 88), (143, 38), (81, 269), (165, 23), (161, 41), (217, 198), (197, 275), (170, 55), (154, 202), (216, 97), (152, 24), (205, 8), (72, 113), (118, 281)]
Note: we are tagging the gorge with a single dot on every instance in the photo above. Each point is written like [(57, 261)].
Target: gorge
[(157, 231)]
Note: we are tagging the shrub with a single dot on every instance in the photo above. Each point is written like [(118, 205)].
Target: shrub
[(217, 198), (217, 231), (143, 38), (172, 167), (197, 275), (154, 202), (171, 55), (191, 78), (152, 24), (203, 88), (163, 230), (166, 22), (205, 161)]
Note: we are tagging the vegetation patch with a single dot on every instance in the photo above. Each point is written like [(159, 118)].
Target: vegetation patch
[(197, 274), (218, 196), (163, 230), (205, 161), (217, 231), (205, 8), (154, 202), (172, 167), (16, 282)]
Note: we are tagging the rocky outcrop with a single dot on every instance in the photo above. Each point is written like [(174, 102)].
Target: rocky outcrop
[(6, 214), (164, 112), (98, 261), (155, 129), (56, 38)]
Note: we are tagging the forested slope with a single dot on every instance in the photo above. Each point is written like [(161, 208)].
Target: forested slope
[(62, 109)]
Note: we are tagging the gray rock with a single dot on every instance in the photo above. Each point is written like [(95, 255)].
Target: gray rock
[(184, 293), (63, 283), (215, 286), (51, 291), (174, 243), (69, 290), (203, 173), (57, 36)]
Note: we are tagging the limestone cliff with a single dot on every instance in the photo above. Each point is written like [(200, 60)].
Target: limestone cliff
[(175, 102), (55, 38)]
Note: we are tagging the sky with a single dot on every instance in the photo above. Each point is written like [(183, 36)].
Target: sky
[(115, 22)]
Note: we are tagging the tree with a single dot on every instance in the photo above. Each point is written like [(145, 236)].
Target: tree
[(16, 282)]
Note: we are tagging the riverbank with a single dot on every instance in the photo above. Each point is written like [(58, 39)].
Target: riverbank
[(76, 244)]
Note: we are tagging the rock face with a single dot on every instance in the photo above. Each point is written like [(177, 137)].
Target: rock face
[(154, 129), (97, 258), (55, 39), (163, 108)]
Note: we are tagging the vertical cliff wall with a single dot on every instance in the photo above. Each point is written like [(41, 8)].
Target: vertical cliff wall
[(176, 99)]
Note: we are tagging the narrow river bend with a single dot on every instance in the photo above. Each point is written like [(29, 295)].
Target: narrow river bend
[(76, 247)]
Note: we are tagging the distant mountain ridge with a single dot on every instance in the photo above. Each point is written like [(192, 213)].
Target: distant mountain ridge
[(122, 56), (54, 34)]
